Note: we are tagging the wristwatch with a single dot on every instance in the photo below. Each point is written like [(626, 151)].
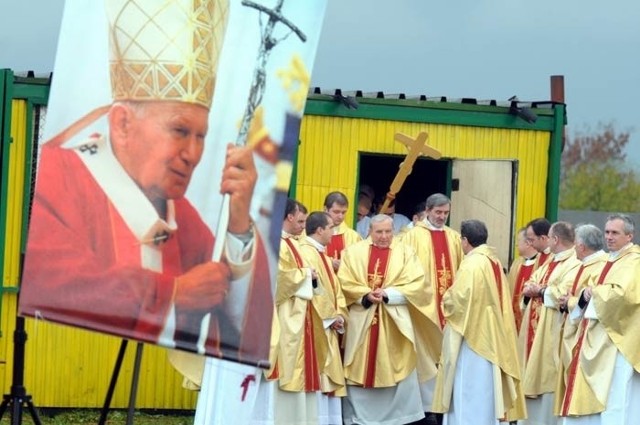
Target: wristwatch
[(245, 237)]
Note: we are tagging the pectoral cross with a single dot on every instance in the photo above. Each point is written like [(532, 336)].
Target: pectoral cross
[(443, 280), (416, 147), (444, 276), (375, 279)]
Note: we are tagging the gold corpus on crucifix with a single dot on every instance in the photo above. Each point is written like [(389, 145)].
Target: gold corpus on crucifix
[(417, 147), (375, 279)]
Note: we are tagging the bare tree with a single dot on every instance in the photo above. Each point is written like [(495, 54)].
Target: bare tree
[(595, 175)]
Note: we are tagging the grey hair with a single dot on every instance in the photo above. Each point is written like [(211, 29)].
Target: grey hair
[(379, 218), (628, 224), (590, 236), (437, 200)]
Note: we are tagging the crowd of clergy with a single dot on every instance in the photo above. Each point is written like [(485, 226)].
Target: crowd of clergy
[(425, 325)]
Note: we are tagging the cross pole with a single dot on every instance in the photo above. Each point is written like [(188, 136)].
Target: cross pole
[(268, 42), (417, 147)]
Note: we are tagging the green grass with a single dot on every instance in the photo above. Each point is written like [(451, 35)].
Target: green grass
[(91, 416)]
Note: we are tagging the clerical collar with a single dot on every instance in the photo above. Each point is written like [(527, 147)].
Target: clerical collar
[(317, 245), (287, 235), (613, 255), (592, 256), (562, 255), (528, 261), (431, 226)]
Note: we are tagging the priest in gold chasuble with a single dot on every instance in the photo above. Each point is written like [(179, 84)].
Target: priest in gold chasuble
[(389, 322), (519, 273), (589, 244), (440, 253), (540, 334), (329, 303), (438, 248), (479, 379), (336, 205), (301, 345), (603, 379)]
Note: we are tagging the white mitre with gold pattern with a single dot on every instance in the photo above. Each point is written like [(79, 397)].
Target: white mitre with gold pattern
[(165, 49)]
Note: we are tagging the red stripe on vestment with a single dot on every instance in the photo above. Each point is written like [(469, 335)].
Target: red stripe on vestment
[(523, 275), (335, 247), (577, 279), (376, 273), (311, 372), (534, 310), (444, 272), (497, 274), (294, 251)]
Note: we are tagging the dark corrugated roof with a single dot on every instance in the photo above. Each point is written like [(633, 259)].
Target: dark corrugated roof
[(424, 98)]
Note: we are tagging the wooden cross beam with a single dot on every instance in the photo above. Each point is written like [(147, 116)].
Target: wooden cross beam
[(416, 147)]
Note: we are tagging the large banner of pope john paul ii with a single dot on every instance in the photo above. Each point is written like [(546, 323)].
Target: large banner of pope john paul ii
[(167, 157)]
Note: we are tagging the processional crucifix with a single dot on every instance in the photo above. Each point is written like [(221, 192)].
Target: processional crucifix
[(417, 147), (267, 42), (217, 373)]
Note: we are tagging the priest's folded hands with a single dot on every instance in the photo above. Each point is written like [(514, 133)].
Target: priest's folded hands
[(532, 290)]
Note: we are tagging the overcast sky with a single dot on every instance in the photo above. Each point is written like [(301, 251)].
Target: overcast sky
[(484, 49)]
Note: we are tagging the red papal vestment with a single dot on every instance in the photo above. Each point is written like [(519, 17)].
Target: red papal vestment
[(100, 257)]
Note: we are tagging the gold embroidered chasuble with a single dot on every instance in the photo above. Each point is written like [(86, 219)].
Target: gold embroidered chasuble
[(439, 262), (478, 309), (403, 330), (539, 337), (616, 299)]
